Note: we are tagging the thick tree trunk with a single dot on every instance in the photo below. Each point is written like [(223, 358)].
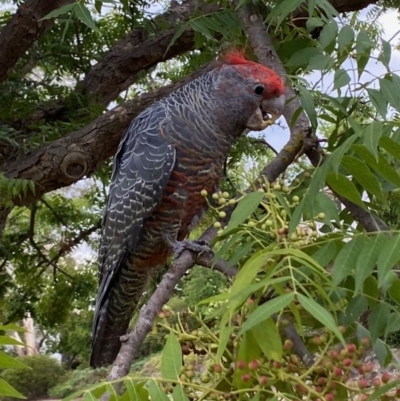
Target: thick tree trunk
[(23, 29)]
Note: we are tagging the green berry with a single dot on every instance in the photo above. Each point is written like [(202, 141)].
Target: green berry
[(222, 201), (215, 196), (277, 187), (295, 198), (226, 195), (204, 193), (217, 224), (269, 223), (321, 216), (222, 215)]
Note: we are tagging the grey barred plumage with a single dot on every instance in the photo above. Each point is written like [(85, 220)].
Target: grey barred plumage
[(169, 153)]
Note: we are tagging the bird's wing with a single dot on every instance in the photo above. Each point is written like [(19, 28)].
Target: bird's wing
[(142, 167)]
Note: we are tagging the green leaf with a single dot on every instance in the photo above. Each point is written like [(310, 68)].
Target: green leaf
[(171, 358), (313, 23), (303, 56), (379, 101), (272, 348), (346, 260), (382, 167), (178, 33), (393, 323), (363, 50), (13, 327), (88, 396), (249, 271), (178, 394), (156, 392), (377, 321), (371, 137), (390, 146), (281, 10), (5, 340), (245, 207), (240, 252), (9, 391), (328, 34), (391, 92), (382, 352), (389, 256), (266, 310), (344, 187), (7, 361), (59, 11), (199, 26), (386, 53), (345, 37), (307, 102), (224, 336), (362, 174), (335, 158), (325, 204), (371, 289), (83, 14), (320, 314), (356, 307), (394, 291), (368, 258), (136, 392), (341, 78), (320, 62), (326, 253)]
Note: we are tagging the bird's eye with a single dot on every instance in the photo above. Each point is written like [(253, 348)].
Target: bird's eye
[(259, 90)]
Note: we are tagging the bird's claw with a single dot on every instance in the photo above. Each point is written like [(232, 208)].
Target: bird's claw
[(197, 246)]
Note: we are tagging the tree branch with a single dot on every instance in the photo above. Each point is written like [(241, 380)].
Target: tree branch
[(23, 29), (137, 51), (79, 154)]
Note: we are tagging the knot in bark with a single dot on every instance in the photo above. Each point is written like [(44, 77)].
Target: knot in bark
[(74, 165)]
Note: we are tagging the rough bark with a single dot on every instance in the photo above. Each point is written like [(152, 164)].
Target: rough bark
[(23, 29), (68, 159)]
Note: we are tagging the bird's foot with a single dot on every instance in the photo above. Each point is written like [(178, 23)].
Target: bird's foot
[(197, 246)]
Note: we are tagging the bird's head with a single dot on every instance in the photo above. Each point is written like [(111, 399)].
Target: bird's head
[(259, 88)]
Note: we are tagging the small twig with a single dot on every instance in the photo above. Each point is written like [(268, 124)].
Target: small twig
[(265, 143), (44, 201), (36, 246)]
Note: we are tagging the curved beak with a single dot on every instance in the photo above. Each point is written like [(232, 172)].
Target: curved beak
[(274, 107)]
